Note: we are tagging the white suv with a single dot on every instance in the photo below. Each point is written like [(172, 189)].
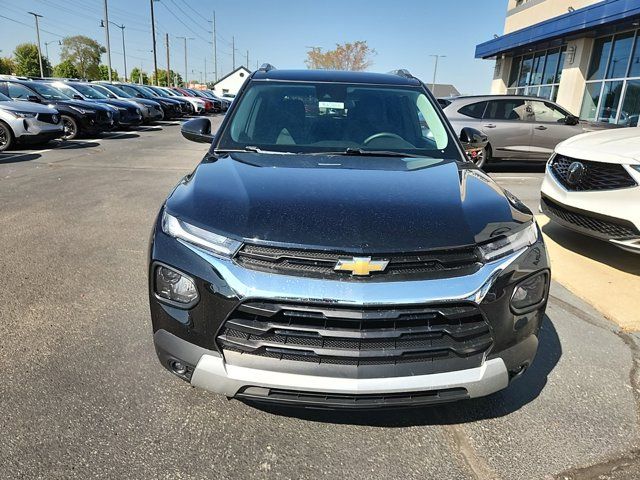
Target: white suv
[(592, 186), (27, 122)]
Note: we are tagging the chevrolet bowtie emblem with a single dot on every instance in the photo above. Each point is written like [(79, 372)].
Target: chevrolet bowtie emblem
[(361, 265)]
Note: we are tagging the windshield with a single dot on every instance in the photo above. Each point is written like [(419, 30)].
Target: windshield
[(304, 117), (134, 91), (148, 91), (158, 91), (89, 92), (118, 92), (4, 98), (48, 92)]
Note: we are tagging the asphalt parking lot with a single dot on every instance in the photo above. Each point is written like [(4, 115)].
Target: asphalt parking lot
[(83, 395)]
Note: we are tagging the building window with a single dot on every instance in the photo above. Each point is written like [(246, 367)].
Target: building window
[(537, 74), (612, 92)]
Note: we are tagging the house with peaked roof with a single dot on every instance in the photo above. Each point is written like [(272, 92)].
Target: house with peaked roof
[(230, 84)]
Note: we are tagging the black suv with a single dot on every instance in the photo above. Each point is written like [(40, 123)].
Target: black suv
[(171, 108), (336, 248), (78, 117)]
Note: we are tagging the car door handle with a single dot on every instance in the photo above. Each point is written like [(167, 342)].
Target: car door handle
[(541, 127), (489, 125)]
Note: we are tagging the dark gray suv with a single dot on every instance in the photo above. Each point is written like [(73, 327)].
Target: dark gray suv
[(518, 127)]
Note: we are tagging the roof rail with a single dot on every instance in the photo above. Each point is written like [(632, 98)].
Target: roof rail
[(265, 67), (402, 72), (57, 79), (12, 77)]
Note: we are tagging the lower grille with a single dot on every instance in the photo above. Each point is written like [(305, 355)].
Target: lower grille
[(102, 116), (335, 400), (357, 336), (49, 118), (318, 263), (606, 228), (596, 175)]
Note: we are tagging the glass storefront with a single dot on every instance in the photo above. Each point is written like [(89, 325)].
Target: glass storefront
[(612, 93), (537, 74)]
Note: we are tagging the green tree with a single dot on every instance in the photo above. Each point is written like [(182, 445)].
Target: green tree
[(135, 76), (104, 73), (27, 63), (84, 53), (65, 69), (162, 77), (348, 56), (7, 66)]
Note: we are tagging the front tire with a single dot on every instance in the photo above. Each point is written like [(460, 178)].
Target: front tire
[(6, 137), (483, 157), (70, 126)]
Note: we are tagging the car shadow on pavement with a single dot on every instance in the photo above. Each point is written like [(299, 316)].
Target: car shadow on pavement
[(17, 157), (595, 249), (121, 136), (515, 166), (521, 392)]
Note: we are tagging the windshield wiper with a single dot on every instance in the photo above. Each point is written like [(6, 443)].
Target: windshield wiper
[(252, 149), (372, 153)]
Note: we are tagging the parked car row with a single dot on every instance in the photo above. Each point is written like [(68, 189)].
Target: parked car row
[(38, 110)]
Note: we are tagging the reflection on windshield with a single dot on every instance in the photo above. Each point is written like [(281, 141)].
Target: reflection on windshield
[(89, 92), (322, 117), (48, 92)]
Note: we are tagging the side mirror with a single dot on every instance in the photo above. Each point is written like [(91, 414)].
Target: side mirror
[(472, 139), (571, 120), (33, 98), (197, 130), (77, 97)]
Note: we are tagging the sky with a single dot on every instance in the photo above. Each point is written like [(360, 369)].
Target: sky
[(404, 33)]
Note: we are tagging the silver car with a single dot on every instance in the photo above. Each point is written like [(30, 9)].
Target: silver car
[(27, 122), (523, 128)]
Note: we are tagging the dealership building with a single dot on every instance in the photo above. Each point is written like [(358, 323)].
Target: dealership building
[(583, 54)]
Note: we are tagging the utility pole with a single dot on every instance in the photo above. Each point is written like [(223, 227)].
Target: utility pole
[(166, 40), (435, 71), (106, 27), (233, 50), (215, 51), (153, 34), (247, 60), (186, 74), (36, 16), (205, 71)]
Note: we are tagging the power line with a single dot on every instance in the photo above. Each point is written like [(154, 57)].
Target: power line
[(180, 20)]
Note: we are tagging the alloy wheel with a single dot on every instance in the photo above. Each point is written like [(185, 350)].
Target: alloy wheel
[(70, 128), (5, 138)]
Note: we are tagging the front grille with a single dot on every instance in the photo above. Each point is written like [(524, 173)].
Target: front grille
[(319, 263), (357, 336), (606, 228), (102, 116), (338, 400), (596, 176), (49, 118)]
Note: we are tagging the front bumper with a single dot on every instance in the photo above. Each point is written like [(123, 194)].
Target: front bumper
[(189, 336), (603, 214)]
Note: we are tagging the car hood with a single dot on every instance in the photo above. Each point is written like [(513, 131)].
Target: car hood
[(30, 107), (85, 105), (620, 145), (353, 204), (115, 103)]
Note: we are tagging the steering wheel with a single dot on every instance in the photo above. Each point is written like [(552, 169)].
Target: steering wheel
[(381, 135)]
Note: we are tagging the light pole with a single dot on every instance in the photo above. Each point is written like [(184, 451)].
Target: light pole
[(215, 53), (186, 80), (435, 71), (124, 49), (153, 34), (36, 16), (106, 29), (46, 46)]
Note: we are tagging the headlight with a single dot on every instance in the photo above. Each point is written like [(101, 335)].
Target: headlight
[(79, 110), (507, 245), (173, 286), (22, 114), (217, 244)]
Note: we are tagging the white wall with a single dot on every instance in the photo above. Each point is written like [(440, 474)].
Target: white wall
[(232, 83)]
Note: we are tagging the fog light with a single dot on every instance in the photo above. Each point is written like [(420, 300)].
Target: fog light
[(174, 287), (529, 292)]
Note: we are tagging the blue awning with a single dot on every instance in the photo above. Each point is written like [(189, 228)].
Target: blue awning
[(602, 13)]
